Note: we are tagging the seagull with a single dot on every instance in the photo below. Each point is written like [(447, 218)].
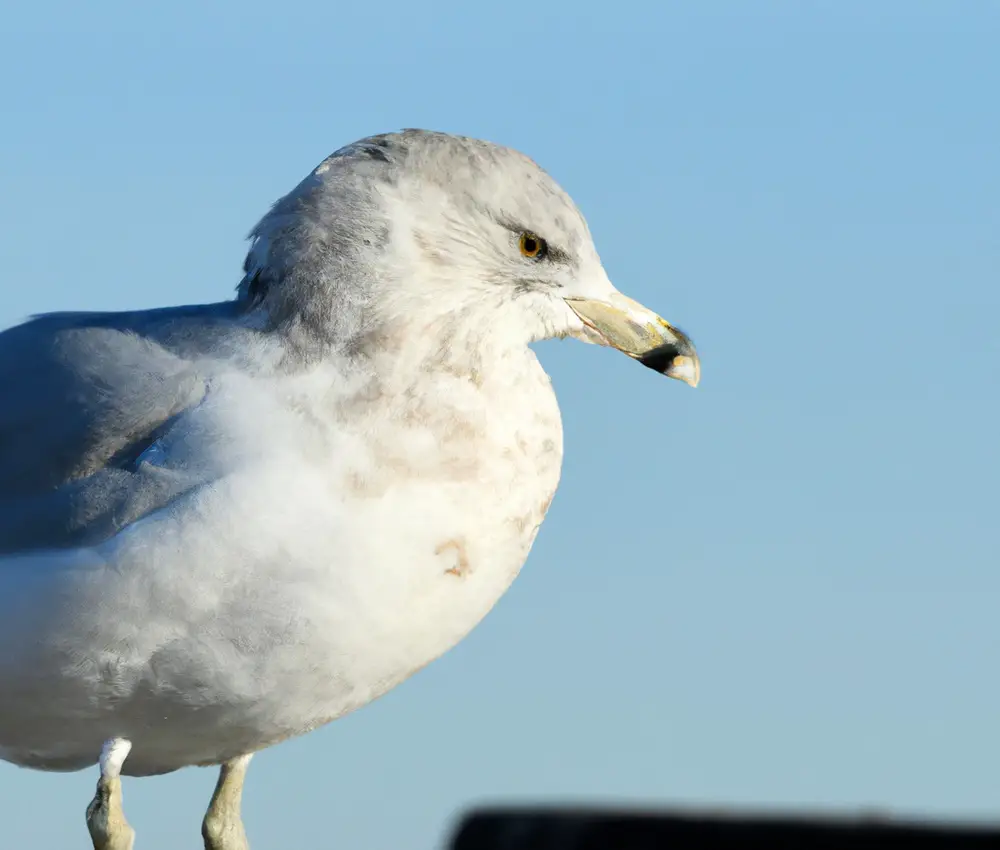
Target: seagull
[(225, 525)]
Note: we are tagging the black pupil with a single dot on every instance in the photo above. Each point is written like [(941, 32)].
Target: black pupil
[(530, 245)]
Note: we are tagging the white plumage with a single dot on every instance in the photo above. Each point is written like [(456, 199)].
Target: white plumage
[(254, 517)]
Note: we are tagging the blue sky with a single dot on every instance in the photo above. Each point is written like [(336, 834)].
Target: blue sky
[(777, 590)]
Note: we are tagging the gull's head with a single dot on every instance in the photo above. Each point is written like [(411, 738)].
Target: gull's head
[(445, 238)]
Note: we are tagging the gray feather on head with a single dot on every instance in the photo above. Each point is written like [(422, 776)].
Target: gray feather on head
[(392, 211)]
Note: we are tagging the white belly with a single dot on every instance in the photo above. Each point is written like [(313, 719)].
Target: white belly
[(199, 645)]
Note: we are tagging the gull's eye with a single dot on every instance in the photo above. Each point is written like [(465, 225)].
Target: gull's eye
[(533, 247)]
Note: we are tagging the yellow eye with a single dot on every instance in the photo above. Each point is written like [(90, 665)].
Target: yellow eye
[(533, 247)]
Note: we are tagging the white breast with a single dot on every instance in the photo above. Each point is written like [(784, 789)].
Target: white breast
[(444, 506)]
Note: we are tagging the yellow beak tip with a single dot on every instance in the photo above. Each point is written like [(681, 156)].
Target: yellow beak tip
[(686, 369)]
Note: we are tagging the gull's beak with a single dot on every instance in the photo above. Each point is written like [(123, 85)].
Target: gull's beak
[(625, 324)]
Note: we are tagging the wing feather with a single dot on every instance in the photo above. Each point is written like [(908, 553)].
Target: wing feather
[(82, 397)]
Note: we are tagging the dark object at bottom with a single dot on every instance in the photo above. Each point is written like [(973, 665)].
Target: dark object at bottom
[(580, 829)]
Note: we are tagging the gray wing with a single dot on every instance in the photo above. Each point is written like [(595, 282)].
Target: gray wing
[(82, 397)]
